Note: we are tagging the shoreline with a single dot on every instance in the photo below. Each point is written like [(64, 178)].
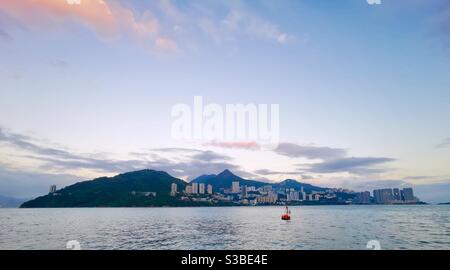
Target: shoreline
[(228, 206)]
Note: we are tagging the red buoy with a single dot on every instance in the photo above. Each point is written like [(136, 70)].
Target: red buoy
[(286, 215)]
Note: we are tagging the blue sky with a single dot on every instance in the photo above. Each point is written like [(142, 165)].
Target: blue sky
[(98, 80)]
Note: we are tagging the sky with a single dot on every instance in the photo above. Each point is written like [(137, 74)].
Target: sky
[(87, 89)]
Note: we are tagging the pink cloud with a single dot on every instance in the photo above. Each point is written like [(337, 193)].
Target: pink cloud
[(249, 145), (109, 20), (166, 45)]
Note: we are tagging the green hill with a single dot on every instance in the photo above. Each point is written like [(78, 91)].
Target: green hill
[(133, 189)]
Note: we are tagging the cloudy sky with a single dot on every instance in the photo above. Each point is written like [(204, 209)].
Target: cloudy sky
[(87, 89)]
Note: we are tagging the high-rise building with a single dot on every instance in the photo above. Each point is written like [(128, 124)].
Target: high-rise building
[(397, 195), (269, 199), (376, 196), (209, 189), (194, 188), (235, 187), (244, 191), (363, 197), (52, 188), (408, 195), (201, 188), (292, 195), (383, 196), (302, 196), (173, 189)]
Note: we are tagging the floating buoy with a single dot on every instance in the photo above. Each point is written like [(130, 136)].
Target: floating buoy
[(286, 215)]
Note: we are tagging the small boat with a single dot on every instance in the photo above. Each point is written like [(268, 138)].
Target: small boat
[(286, 215)]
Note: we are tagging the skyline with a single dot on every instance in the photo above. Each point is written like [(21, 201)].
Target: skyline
[(87, 90), (224, 189)]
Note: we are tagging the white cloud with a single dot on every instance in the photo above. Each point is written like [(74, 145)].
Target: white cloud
[(246, 23)]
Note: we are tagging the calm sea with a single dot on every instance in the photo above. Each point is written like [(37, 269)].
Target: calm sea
[(311, 227)]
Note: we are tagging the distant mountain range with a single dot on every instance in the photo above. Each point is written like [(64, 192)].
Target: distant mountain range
[(225, 179), (137, 189), (10, 202)]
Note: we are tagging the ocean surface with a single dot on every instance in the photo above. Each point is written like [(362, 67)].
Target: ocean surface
[(311, 227)]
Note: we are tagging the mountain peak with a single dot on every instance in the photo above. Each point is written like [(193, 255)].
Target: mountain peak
[(289, 181), (226, 173)]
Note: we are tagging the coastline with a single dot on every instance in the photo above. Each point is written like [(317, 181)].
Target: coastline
[(229, 206)]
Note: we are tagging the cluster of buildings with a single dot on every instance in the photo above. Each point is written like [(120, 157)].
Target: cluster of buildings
[(194, 188), (251, 195), (387, 196), (299, 196), (248, 195), (268, 194)]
